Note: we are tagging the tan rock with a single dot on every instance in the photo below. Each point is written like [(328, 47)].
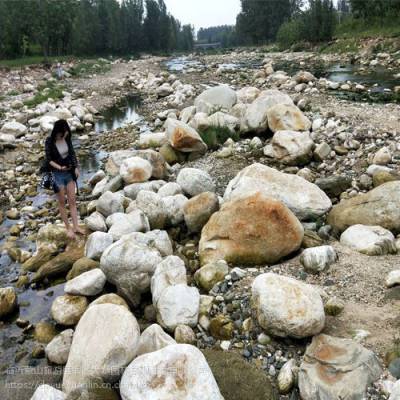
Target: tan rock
[(252, 230), (198, 210), (285, 117), (380, 206), (8, 301)]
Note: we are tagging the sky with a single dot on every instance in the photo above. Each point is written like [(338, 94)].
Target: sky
[(204, 13)]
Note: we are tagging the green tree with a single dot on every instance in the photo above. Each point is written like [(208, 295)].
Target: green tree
[(259, 21)]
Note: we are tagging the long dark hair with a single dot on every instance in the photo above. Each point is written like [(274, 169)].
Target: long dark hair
[(61, 126)]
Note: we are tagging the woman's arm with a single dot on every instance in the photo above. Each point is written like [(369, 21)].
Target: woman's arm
[(56, 166)]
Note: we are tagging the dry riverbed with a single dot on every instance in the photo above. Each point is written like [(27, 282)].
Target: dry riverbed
[(355, 131)]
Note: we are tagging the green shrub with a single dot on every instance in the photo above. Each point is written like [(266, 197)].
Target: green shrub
[(214, 136), (289, 33), (51, 90), (87, 67)]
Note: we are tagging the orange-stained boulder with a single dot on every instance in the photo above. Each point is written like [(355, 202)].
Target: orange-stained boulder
[(184, 138), (252, 230)]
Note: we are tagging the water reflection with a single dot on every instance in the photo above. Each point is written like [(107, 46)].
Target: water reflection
[(124, 112), (380, 76)]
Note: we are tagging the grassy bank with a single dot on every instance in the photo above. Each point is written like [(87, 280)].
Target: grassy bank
[(22, 62), (361, 29), (352, 34)]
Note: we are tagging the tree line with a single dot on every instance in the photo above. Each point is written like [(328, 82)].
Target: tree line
[(292, 21), (223, 34), (89, 27)]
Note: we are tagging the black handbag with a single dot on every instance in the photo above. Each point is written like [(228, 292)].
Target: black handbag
[(47, 181)]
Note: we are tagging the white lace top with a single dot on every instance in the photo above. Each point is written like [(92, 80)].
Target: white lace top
[(62, 148)]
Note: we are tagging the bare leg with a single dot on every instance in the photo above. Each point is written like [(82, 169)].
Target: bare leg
[(72, 207), (63, 212)]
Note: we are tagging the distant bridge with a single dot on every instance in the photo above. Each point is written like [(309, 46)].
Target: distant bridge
[(205, 46)]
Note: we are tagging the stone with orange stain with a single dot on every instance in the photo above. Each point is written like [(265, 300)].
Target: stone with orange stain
[(252, 230), (177, 371), (337, 369), (184, 138), (285, 117), (287, 307), (135, 170)]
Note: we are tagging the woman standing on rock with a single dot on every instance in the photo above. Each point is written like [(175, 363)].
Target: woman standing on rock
[(62, 162)]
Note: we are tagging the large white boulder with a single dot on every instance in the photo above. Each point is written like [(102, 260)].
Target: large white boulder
[(89, 283), (178, 305), (122, 224), (194, 181), (287, 307), (370, 240), (171, 271), (152, 339), (215, 99), (176, 372), (96, 243), (305, 199), (129, 265), (105, 341)]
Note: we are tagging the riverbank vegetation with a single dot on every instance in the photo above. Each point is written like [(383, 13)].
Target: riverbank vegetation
[(301, 24)]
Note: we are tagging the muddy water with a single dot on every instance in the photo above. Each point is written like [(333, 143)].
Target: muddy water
[(35, 302)]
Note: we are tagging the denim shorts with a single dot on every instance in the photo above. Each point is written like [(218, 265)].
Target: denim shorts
[(62, 178)]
